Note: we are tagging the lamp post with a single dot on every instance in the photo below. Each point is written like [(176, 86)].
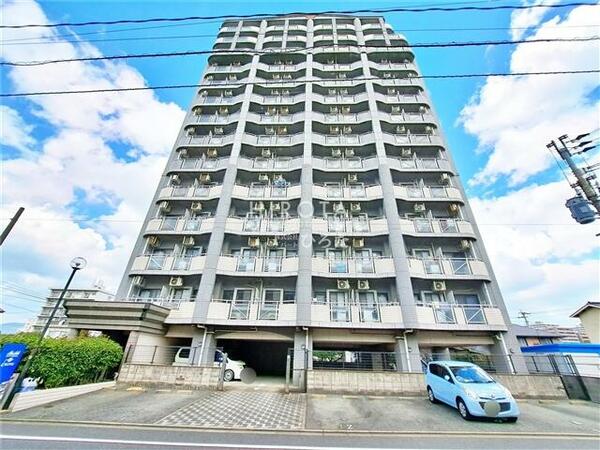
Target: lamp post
[(77, 263)]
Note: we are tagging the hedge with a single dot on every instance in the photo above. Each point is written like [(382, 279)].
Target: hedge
[(69, 361)]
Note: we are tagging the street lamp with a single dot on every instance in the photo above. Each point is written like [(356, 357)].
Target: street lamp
[(77, 263)]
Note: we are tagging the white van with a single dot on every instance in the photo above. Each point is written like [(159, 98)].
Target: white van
[(233, 368)]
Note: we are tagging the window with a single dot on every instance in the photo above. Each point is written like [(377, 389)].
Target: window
[(289, 296), (247, 260), (360, 223), (149, 294), (240, 305), (339, 307), (437, 191), (275, 224), (432, 297), (423, 226), (364, 261), (337, 262), (357, 191), (252, 222), (466, 299), (334, 190), (336, 223), (459, 263), (448, 226), (270, 305), (320, 298), (369, 310), (157, 259)]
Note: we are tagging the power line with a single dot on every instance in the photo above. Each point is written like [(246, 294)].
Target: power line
[(32, 41), (303, 51), (283, 82), (19, 286), (268, 16), (22, 308)]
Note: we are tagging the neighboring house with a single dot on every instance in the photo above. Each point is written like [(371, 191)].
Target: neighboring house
[(59, 326), (528, 336), (589, 315), (567, 334)]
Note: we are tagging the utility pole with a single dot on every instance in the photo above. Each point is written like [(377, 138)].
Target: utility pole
[(11, 224), (580, 208), (523, 315)]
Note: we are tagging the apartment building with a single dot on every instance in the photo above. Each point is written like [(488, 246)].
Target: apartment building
[(59, 327), (311, 203)]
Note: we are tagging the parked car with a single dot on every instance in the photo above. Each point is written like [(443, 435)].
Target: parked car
[(233, 368), (469, 389)]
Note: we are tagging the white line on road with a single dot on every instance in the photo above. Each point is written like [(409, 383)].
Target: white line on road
[(5, 437)]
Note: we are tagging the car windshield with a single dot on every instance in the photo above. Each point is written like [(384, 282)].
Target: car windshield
[(470, 375)]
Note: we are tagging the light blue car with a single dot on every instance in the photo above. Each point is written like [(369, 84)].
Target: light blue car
[(469, 389)]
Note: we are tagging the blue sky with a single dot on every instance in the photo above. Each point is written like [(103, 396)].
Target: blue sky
[(69, 160)]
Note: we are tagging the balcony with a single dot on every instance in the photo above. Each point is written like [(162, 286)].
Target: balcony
[(343, 139), (159, 264), (196, 164), (256, 224), (427, 193), (268, 164), (392, 66), (283, 99), (355, 226), (336, 66), (448, 268), (180, 225), (435, 227), (415, 139), (373, 267), (343, 164), (281, 67), (170, 303), (406, 117), (276, 118), (273, 140), (266, 192), (257, 265), (395, 82), (342, 118), (459, 316), (401, 98), (219, 99), (230, 68), (202, 119), (224, 311), (346, 99), (355, 192), (356, 314), (419, 164), (190, 193), (214, 139)]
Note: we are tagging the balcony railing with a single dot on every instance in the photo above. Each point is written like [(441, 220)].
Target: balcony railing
[(170, 303), (452, 313), (411, 164), (181, 224), (381, 266), (279, 163), (356, 312), (257, 264), (427, 192), (454, 267), (198, 163), (266, 191), (192, 192), (263, 224), (344, 226), (436, 226), (351, 192), (225, 309), (166, 262)]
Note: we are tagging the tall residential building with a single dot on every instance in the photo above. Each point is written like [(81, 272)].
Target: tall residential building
[(59, 326), (566, 334), (311, 202)]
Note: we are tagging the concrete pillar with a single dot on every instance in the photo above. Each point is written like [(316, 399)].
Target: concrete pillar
[(208, 352), (408, 357), (507, 357), (302, 355), (198, 342)]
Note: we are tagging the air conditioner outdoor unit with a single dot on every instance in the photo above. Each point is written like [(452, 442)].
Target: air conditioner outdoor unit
[(355, 208), (223, 111), (218, 130), (258, 206), (232, 77), (275, 207), (387, 75), (210, 78), (197, 111), (188, 241), (263, 178), (285, 92), (272, 242), (349, 153), (153, 241), (343, 91), (439, 286), (401, 129), (285, 110), (196, 206), (391, 91), (191, 131), (406, 152), (454, 209), (334, 130), (363, 285), (282, 130), (228, 93), (333, 110), (138, 280), (269, 130), (339, 208), (445, 178), (253, 242), (428, 130), (183, 153), (347, 129), (384, 61), (465, 244), (352, 178), (336, 153), (176, 281), (164, 206), (265, 153), (175, 179), (343, 285), (276, 76), (345, 110), (358, 242), (332, 92), (204, 178), (422, 110), (211, 153), (340, 242), (420, 207), (396, 110)]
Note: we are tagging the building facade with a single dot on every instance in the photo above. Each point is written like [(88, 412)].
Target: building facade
[(311, 203), (59, 327)]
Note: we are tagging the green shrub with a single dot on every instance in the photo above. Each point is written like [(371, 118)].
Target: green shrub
[(67, 361)]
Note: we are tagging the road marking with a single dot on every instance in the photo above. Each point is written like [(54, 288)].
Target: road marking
[(164, 443)]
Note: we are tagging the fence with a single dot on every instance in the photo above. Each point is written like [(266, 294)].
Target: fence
[(162, 355)]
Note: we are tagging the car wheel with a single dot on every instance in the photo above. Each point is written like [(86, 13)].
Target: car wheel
[(430, 395), (511, 419), (463, 410), (228, 375)]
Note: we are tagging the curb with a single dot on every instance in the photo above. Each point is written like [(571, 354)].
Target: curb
[(509, 434)]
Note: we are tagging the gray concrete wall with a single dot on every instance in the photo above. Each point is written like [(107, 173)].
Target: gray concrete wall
[(169, 376), (412, 384)]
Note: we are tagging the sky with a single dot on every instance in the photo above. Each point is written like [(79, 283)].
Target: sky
[(85, 166)]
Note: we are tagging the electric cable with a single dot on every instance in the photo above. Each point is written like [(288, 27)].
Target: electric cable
[(299, 13)]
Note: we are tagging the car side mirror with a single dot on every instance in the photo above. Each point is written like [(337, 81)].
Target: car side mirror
[(447, 377)]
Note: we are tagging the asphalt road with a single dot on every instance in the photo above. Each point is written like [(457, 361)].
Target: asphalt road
[(69, 436)]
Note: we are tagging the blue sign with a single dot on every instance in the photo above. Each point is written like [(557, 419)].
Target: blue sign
[(10, 357)]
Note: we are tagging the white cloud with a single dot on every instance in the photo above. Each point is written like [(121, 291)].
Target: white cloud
[(514, 118), (14, 132), (78, 170), (523, 19), (541, 256)]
